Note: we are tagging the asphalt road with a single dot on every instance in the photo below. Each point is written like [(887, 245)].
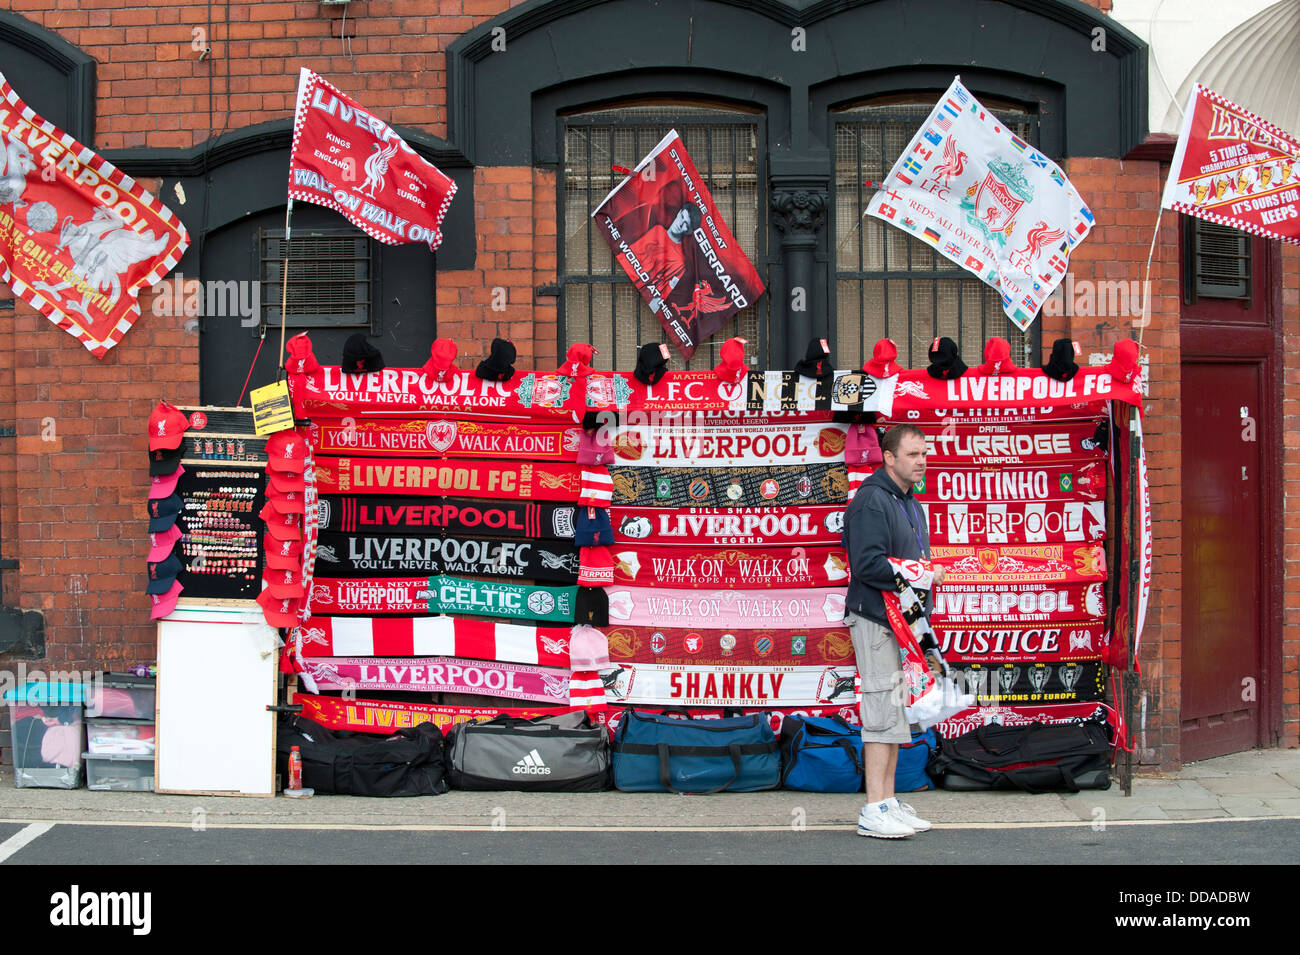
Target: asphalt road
[(1229, 843)]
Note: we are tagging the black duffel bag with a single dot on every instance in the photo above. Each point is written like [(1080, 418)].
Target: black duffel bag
[(411, 762), (1037, 758), (562, 753)]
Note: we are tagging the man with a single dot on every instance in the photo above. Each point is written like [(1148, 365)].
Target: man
[(884, 520), (661, 254)]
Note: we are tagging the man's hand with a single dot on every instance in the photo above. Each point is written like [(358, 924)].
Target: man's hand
[(939, 573)]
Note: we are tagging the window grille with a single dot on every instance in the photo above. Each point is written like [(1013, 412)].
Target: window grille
[(331, 279), (1218, 261)]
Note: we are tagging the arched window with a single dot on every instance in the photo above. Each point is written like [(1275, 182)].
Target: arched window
[(599, 304), (889, 284)]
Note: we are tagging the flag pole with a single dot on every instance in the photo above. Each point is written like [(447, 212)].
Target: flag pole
[(284, 281), (1146, 279)]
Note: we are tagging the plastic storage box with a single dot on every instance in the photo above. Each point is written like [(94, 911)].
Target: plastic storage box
[(117, 737), (121, 695), (47, 732), (119, 773)]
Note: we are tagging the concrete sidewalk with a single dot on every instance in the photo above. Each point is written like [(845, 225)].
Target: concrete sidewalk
[(1257, 784)]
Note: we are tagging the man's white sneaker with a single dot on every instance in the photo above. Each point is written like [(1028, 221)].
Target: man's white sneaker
[(901, 810), (882, 822)]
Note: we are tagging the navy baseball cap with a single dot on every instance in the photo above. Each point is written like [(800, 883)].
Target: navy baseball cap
[(163, 512), (163, 574)]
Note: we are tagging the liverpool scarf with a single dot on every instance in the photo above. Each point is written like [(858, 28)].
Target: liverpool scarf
[(371, 555), (685, 646), (967, 721), (422, 515), (543, 482), (739, 568), (1017, 522), (433, 437), (1035, 643), (636, 683), (729, 526), (786, 608), (1020, 603), (432, 636), (443, 594), (1083, 481), (1043, 442), (928, 699), (729, 444), (1006, 683), (811, 484)]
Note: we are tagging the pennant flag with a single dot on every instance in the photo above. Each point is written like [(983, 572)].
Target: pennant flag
[(1233, 168), (988, 201), (351, 161), (665, 230), (78, 238)]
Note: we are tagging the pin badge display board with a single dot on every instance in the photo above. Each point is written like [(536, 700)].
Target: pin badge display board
[(217, 674)]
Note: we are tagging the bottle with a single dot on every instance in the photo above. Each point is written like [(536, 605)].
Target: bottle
[(295, 768)]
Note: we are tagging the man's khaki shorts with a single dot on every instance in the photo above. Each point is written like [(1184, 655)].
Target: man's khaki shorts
[(881, 674)]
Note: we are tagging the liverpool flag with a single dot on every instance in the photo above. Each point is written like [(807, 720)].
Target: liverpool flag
[(1233, 168), (348, 159), (78, 238), (988, 200), (666, 232)]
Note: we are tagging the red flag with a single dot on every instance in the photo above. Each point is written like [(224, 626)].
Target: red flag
[(1233, 168), (665, 230), (351, 161), (78, 238)]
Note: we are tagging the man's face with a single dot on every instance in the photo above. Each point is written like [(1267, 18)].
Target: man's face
[(680, 225), (908, 465)]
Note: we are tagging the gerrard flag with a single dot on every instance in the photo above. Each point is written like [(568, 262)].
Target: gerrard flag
[(663, 227), (78, 237), (987, 200), (1233, 168), (351, 161)]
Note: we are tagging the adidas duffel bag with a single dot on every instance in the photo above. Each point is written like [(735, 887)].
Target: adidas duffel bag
[(546, 754), (656, 752)]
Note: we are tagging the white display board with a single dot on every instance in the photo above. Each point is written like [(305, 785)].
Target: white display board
[(217, 671)]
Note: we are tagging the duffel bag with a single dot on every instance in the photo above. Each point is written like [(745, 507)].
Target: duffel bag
[(408, 763), (821, 754), (1037, 758), (910, 774), (656, 752), (549, 753)]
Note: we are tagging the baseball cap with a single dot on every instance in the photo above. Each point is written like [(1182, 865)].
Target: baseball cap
[(286, 451), (166, 427), (281, 526), (161, 543), (163, 462), (283, 554), (162, 574), (163, 512), (163, 485), (283, 583), (279, 611), (286, 503), (163, 604), (281, 481)]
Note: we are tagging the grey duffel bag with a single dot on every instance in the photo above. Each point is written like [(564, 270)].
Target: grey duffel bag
[(549, 753)]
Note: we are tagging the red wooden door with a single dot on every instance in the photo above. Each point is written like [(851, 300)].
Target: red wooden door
[(1223, 543)]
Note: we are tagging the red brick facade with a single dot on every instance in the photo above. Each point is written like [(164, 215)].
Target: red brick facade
[(72, 490)]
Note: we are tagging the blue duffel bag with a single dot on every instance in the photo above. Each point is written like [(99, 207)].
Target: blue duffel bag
[(910, 775), (655, 752), (821, 754)]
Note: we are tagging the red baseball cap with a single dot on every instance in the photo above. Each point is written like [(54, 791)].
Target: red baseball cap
[(166, 427), (279, 611), (286, 451), (283, 583), (161, 544), (285, 482), (283, 554), (281, 526), (163, 604), (163, 485), (290, 503)]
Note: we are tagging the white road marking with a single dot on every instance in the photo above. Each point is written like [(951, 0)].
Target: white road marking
[(23, 837)]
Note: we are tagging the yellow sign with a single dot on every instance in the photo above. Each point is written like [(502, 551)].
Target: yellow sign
[(272, 411)]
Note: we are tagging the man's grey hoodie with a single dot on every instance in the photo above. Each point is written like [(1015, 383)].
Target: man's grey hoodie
[(881, 522)]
